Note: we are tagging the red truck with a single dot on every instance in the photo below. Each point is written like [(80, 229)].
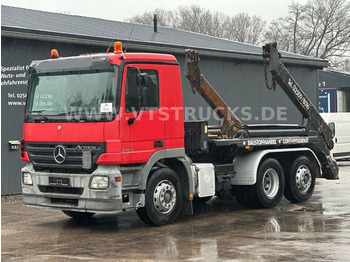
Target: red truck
[(104, 133)]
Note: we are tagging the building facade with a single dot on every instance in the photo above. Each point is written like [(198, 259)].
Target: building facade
[(334, 93)]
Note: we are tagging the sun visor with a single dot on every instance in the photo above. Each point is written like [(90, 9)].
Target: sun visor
[(71, 64)]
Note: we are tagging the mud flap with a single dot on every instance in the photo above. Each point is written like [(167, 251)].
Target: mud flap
[(331, 169), (187, 208)]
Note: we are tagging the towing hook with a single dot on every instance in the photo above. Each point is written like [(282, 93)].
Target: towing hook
[(267, 50), (265, 53)]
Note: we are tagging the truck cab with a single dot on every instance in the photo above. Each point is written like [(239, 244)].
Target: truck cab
[(95, 126)]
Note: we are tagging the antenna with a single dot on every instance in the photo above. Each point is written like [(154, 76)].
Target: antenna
[(132, 29), (126, 44), (109, 47)]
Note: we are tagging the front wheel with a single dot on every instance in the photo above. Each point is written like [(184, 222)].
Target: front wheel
[(300, 182), (163, 198)]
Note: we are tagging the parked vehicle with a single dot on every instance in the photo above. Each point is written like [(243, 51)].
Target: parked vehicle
[(331, 100), (339, 123), (106, 133)]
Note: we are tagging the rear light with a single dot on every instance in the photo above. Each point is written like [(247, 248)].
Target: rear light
[(24, 155)]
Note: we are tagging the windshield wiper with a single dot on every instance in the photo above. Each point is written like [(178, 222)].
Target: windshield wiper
[(77, 116), (71, 113), (74, 116), (40, 113)]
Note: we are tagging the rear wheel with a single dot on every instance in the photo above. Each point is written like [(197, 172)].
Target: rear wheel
[(300, 182), (268, 189), (163, 198), (78, 215)]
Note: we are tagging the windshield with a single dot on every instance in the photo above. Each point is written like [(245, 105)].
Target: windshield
[(83, 95)]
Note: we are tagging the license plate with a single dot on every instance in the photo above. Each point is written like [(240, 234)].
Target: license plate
[(59, 181)]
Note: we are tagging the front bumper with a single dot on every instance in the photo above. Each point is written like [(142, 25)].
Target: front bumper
[(77, 196)]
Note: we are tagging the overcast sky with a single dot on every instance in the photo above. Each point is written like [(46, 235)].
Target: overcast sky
[(121, 10)]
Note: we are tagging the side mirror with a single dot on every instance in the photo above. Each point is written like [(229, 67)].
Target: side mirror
[(142, 79)]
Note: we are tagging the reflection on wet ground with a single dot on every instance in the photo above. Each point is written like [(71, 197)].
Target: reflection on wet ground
[(318, 230)]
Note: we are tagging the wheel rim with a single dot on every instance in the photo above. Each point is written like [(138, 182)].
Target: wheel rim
[(270, 183), (164, 196), (303, 179)]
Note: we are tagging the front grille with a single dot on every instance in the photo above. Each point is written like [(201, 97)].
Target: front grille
[(61, 190), (42, 156)]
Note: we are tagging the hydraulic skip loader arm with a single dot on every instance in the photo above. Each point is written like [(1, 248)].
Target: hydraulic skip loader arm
[(231, 126), (312, 120)]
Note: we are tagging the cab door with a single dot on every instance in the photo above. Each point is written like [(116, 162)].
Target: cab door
[(146, 134)]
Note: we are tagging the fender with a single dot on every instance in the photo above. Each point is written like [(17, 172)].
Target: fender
[(177, 153), (246, 165)]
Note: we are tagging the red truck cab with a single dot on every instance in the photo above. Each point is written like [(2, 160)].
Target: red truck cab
[(95, 127)]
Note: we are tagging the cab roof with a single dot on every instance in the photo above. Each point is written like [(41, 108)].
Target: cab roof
[(152, 57), (96, 61)]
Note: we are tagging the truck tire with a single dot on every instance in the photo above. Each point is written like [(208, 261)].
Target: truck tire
[(269, 187), (163, 198), (78, 215), (300, 181)]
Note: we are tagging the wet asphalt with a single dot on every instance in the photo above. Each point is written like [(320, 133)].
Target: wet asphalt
[(221, 230)]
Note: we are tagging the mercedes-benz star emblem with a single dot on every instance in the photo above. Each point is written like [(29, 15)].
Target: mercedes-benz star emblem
[(59, 154)]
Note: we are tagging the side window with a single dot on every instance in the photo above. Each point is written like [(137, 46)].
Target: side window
[(150, 92)]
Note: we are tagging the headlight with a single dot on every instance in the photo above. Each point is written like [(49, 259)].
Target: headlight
[(99, 182), (27, 179)]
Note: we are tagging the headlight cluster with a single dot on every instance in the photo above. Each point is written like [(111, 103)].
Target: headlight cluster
[(99, 182), (27, 179), (96, 182)]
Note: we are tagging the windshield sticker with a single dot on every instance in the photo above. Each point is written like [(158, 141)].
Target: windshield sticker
[(106, 107)]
